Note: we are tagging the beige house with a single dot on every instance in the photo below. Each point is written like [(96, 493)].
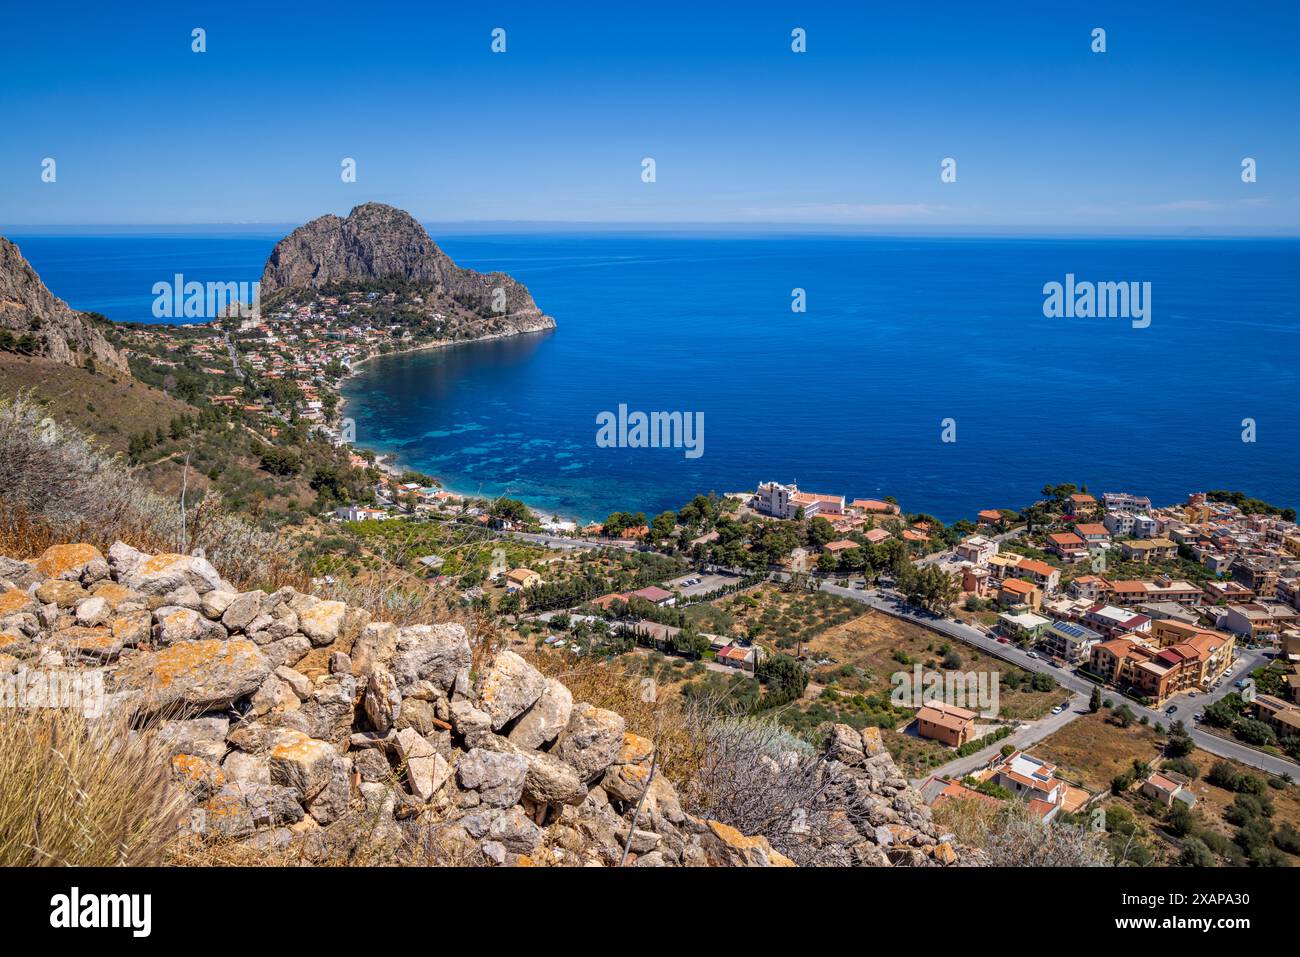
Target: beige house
[(520, 578)]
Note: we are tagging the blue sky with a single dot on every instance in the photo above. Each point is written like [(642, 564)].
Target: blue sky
[(1047, 135)]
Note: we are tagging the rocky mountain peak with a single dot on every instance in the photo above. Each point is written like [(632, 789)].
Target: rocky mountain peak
[(377, 242)]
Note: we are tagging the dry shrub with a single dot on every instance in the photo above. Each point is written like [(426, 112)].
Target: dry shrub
[(21, 534), (58, 485), (676, 727), (1016, 838), (762, 780), (968, 819), (81, 792)]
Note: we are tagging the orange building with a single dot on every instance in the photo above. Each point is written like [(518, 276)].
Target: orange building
[(947, 723)]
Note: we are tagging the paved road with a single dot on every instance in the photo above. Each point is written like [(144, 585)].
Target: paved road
[(1186, 707), (1022, 738), (234, 356)]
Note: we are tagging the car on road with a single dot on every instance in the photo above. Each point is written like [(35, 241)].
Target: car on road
[(1032, 654), (1058, 709), (1228, 673), (1191, 694), (1004, 641)]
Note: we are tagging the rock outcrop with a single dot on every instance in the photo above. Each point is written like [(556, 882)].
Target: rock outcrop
[(376, 242), (301, 727), (59, 332)]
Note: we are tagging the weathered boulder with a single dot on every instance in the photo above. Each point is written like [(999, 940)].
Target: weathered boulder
[(515, 832), (320, 621), (199, 674), (591, 740), (426, 770), (242, 609), (724, 846), (552, 781), (174, 624), (93, 611), (436, 653), (302, 763), (69, 562), (497, 777), (160, 574), (98, 644), (628, 776), (15, 601), (376, 645), (382, 703), (64, 594), (508, 688), (543, 722)]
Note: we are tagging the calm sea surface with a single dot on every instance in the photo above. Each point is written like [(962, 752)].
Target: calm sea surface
[(848, 397)]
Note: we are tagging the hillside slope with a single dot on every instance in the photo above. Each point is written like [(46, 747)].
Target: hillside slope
[(111, 407)]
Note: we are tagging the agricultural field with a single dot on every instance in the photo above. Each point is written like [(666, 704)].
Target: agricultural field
[(786, 619), (863, 653)]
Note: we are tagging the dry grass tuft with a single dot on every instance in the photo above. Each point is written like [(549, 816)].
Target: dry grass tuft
[(83, 793)]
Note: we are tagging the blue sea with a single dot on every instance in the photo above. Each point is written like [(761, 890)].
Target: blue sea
[(849, 397)]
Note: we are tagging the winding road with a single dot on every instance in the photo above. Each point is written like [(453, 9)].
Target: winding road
[(1184, 706)]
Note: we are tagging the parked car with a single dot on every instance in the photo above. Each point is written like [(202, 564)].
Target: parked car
[(1033, 654), (1172, 709), (1058, 709), (1004, 641)]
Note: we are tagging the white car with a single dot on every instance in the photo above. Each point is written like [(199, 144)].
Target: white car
[(1058, 709), (1032, 654)]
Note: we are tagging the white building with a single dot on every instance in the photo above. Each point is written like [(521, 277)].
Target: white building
[(1119, 523), (775, 499), (977, 550), (1144, 526), (359, 513)]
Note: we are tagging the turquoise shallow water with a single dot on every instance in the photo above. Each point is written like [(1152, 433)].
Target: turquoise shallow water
[(848, 397)]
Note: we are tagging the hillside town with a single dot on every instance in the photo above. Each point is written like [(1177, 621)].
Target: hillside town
[(1107, 615), (1181, 618)]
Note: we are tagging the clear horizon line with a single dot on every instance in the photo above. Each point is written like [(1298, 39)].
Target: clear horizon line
[(732, 226)]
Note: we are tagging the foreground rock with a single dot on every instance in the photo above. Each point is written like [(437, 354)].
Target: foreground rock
[(298, 726)]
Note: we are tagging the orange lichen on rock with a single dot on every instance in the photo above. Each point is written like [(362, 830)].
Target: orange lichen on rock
[(59, 559)]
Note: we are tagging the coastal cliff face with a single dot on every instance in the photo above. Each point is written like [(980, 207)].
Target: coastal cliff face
[(61, 333), (378, 243)]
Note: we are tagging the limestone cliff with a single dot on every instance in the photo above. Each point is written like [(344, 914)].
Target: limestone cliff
[(49, 326), (378, 243)]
